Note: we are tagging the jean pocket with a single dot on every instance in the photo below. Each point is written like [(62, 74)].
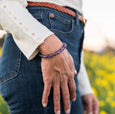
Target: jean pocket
[(10, 60), (38, 17), (36, 12), (60, 24)]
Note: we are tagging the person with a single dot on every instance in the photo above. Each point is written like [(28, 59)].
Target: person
[(41, 57), (89, 101)]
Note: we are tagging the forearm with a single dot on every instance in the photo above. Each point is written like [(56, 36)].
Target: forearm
[(27, 32), (83, 80)]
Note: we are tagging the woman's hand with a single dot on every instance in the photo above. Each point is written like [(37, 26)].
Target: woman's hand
[(58, 72), (90, 104)]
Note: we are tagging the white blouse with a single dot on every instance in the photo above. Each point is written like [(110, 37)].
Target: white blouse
[(28, 33)]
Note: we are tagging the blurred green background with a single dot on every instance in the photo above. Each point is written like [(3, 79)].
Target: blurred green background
[(100, 68), (3, 105)]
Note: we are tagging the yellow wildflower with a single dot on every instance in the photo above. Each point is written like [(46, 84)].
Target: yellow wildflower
[(111, 93), (113, 104), (104, 83), (102, 103), (98, 81), (102, 112), (94, 90), (0, 51), (108, 99)]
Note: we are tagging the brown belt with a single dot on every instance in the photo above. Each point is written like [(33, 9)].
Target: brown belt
[(57, 7)]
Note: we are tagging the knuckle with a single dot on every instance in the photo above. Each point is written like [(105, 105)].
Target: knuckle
[(47, 81), (63, 82), (66, 97), (71, 81), (73, 89), (57, 105), (71, 74), (67, 105), (57, 98)]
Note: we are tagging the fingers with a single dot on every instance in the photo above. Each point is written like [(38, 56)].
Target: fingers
[(95, 106), (71, 65), (73, 69), (75, 72), (65, 96), (56, 97), (72, 89), (90, 108), (90, 104), (72, 85), (46, 92)]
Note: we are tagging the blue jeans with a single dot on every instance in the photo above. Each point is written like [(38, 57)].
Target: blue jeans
[(21, 82)]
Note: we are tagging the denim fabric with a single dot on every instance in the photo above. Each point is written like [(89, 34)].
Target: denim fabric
[(21, 83)]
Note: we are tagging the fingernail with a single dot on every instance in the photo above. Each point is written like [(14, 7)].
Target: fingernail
[(75, 71), (74, 99), (45, 104), (68, 111), (58, 112)]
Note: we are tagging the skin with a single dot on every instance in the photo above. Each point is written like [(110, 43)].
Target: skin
[(58, 72), (90, 104)]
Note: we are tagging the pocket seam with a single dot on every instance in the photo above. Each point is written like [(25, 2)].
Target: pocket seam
[(63, 20), (14, 74), (64, 33), (60, 18)]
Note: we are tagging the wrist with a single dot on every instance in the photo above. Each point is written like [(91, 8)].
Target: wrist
[(51, 44), (54, 54)]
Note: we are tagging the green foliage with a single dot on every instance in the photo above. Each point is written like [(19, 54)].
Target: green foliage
[(3, 106), (101, 71)]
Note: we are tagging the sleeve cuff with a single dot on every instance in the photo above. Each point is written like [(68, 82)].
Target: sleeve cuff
[(83, 80), (27, 32), (85, 91)]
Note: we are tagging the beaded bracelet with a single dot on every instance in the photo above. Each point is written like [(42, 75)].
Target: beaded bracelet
[(54, 54)]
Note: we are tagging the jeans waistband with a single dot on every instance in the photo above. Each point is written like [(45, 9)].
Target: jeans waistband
[(64, 9)]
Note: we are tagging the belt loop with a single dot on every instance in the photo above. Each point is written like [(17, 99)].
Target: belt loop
[(77, 18)]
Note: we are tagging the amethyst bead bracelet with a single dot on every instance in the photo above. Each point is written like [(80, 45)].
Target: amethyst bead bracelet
[(54, 54)]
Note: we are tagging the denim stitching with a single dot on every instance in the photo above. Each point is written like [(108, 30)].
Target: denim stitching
[(12, 75), (64, 33)]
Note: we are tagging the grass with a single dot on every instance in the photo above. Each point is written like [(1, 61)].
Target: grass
[(3, 107)]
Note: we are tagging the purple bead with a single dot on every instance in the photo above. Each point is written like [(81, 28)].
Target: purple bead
[(54, 54)]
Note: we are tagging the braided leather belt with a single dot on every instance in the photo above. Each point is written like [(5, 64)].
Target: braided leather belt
[(59, 8)]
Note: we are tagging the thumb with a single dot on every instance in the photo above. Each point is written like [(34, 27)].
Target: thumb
[(89, 108)]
